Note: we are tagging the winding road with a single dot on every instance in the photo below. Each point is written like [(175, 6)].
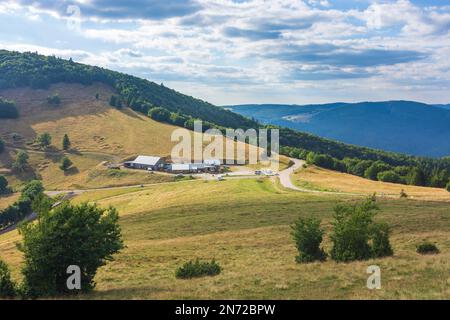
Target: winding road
[(285, 175)]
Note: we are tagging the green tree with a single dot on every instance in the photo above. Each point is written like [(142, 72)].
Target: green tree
[(66, 163), (308, 236), (7, 286), (113, 101), (33, 190), (389, 176), (351, 233), (159, 114), (44, 140), (4, 185), (97, 96), (54, 99), (21, 162), (381, 246), (2, 145), (66, 142), (377, 167), (448, 187), (82, 235), (8, 109), (177, 119), (416, 177)]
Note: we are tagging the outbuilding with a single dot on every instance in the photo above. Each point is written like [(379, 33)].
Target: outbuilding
[(146, 163)]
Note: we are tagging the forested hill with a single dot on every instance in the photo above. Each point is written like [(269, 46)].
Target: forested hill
[(399, 126), (167, 105), (38, 71)]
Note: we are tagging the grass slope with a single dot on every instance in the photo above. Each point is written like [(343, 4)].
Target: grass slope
[(98, 133), (244, 224), (327, 180)]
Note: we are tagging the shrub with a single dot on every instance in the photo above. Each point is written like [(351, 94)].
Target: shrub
[(32, 189), (198, 269), (356, 236), (66, 142), (376, 167), (308, 237), (177, 119), (21, 162), (8, 109), (389, 176), (54, 100), (4, 189), (351, 233), (82, 235), (66, 163), (159, 114), (427, 248), (44, 140), (381, 246), (448, 187), (7, 286), (2, 145)]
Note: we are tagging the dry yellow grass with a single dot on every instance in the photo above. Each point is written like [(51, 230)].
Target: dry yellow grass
[(244, 225), (6, 200), (324, 179), (91, 124)]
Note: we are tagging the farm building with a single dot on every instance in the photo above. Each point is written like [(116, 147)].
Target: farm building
[(146, 163), (192, 168), (212, 162)]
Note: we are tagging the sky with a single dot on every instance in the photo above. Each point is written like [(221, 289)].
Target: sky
[(250, 51)]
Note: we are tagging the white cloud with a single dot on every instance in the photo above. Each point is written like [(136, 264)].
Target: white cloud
[(242, 45)]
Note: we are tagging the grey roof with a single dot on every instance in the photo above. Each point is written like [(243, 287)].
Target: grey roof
[(189, 166), (212, 162), (181, 167), (147, 160)]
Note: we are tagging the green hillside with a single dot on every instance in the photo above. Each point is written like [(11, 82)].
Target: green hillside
[(245, 225)]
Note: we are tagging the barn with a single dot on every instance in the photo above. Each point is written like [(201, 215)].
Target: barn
[(146, 163)]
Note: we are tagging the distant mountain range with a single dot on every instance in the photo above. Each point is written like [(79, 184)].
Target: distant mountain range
[(401, 126)]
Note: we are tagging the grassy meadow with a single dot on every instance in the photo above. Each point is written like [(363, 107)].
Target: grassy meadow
[(320, 179), (245, 225)]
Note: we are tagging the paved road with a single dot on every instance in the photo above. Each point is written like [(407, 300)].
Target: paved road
[(285, 175), (30, 217)]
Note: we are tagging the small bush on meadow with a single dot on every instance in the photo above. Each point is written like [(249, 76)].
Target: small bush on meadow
[(7, 286), (308, 236), (198, 269), (427, 248), (356, 236), (381, 246)]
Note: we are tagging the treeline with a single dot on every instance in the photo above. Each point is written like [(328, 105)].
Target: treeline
[(22, 207), (413, 171), (8, 109)]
